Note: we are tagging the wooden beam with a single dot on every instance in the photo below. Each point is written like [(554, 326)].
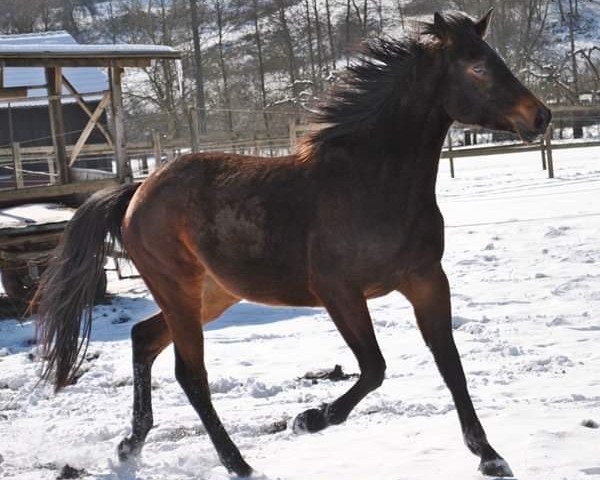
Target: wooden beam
[(93, 122), (123, 170), (24, 195), (54, 86), (76, 62), (81, 102), (9, 93)]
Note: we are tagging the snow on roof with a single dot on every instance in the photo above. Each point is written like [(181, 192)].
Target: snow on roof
[(61, 45), (85, 79)]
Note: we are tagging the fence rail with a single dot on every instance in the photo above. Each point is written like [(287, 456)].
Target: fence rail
[(24, 168)]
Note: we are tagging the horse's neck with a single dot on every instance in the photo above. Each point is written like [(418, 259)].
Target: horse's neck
[(413, 149), (402, 151)]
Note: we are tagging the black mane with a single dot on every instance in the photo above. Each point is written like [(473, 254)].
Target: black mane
[(381, 78)]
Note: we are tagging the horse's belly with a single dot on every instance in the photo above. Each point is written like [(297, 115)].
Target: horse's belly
[(263, 285)]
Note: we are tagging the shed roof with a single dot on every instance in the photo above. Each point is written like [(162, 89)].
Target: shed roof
[(61, 49), (23, 57), (87, 80)]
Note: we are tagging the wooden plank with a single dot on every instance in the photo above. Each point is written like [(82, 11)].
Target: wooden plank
[(93, 122), (15, 197), (194, 129), (18, 164), (51, 170), (9, 93), (54, 85), (81, 102), (157, 149), (543, 150), (123, 170), (548, 138)]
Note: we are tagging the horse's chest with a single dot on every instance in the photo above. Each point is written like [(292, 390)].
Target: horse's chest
[(382, 257)]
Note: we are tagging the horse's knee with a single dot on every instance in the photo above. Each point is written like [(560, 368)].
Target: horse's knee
[(148, 339)]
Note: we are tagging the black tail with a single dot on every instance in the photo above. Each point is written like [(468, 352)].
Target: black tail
[(66, 293)]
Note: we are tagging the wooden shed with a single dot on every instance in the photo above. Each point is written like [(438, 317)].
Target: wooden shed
[(59, 61)]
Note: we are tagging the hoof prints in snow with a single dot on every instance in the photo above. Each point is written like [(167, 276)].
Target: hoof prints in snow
[(589, 423)]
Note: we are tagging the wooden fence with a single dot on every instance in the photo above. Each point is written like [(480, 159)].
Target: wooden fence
[(546, 146), (21, 168)]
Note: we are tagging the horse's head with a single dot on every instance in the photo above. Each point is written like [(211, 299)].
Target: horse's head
[(478, 86)]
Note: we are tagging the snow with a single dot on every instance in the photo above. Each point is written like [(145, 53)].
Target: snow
[(522, 257), (24, 216), (77, 49)]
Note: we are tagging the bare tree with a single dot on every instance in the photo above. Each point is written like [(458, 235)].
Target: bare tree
[(332, 50), (571, 16), (311, 52), (226, 92), (289, 46), (319, 41), (198, 70)]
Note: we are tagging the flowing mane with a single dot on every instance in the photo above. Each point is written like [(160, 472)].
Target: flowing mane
[(380, 80)]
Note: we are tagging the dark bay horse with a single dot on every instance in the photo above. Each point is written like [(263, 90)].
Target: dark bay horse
[(351, 216)]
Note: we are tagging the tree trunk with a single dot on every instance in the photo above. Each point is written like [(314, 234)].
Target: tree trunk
[(562, 11), (319, 43), (401, 12), (289, 45), (200, 99), (330, 35), (168, 75), (347, 46), (261, 66), (572, 44), (311, 52), (226, 93)]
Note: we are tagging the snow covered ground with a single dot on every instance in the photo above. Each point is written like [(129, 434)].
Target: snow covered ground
[(523, 258)]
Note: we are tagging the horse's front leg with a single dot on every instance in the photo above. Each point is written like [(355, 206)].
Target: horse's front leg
[(348, 309), (430, 296)]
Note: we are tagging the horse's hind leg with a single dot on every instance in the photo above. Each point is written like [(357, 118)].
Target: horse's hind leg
[(348, 310), (149, 338), (430, 297), (180, 298)]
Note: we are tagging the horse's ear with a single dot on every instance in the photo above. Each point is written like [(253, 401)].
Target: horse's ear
[(481, 27), (440, 28)]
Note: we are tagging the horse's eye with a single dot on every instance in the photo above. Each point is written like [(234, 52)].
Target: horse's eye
[(478, 69)]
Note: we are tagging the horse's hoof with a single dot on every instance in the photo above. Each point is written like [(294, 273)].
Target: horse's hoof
[(310, 421), (497, 467), (128, 448)]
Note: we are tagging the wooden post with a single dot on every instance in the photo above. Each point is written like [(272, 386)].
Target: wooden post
[(170, 154), (123, 168), (86, 132), (548, 138), (293, 136), (51, 170), (145, 165), (18, 165), (194, 129), (54, 86), (81, 102), (157, 149), (450, 157), (543, 150)]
